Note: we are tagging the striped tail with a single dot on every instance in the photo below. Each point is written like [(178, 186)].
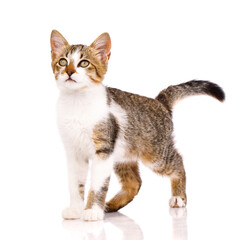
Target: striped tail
[(172, 94)]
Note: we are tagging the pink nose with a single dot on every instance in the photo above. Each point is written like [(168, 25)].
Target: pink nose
[(70, 72)]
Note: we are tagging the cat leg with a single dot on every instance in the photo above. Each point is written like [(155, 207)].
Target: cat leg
[(104, 138), (178, 186), (170, 164), (77, 174), (128, 174), (178, 181), (100, 177)]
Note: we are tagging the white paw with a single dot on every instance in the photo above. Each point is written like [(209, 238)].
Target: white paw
[(176, 202), (93, 214), (71, 213)]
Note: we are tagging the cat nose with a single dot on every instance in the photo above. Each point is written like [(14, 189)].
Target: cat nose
[(70, 72)]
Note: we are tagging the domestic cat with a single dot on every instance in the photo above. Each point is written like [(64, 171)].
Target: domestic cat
[(114, 129)]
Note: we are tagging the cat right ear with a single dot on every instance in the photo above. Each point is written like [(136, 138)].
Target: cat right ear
[(102, 46), (58, 43)]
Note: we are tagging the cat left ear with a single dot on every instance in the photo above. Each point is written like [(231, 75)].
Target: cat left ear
[(102, 46), (58, 43)]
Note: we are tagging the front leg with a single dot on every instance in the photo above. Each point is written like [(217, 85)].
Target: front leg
[(100, 177), (104, 137), (77, 174)]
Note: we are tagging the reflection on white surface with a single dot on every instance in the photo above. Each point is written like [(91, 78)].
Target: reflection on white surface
[(118, 226), (179, 223), (115, 226)]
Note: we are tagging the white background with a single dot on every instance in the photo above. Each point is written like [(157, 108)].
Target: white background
[(154, 44)]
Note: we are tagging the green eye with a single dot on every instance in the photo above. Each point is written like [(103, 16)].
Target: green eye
[(63, 62), (83, 63)]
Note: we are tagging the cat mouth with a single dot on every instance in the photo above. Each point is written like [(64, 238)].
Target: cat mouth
[(70, 80)]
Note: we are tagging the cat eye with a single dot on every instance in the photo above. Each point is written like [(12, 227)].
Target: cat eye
[(83, 63), (63, 62)]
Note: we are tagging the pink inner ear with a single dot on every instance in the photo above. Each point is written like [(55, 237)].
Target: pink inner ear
[(103, 54), (102, 46), (58, 42), (57, 46)]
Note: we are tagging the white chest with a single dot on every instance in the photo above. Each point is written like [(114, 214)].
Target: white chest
[(77, 114)]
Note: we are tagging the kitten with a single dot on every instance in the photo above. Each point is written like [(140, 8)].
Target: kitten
[(114, 129)]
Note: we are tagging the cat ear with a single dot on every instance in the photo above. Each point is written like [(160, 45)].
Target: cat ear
[(58, 43), (102, 46)]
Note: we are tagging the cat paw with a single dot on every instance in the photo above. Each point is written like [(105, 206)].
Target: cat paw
[(176, 202), (71, 213), (93, 214)]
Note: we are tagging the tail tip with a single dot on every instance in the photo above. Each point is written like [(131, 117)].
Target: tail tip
[(217, 92)]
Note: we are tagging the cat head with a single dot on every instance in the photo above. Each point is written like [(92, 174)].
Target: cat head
[(79, 66)]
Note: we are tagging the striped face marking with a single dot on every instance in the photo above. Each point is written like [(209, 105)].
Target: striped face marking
[(77, 69), (79, 66)]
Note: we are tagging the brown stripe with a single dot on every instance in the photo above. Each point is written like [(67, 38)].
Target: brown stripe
[(81, 188), (98, 197)]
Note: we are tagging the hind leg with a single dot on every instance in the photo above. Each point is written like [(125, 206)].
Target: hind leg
[(171, 165), (128, 174), (178, 185), (178, 180)]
